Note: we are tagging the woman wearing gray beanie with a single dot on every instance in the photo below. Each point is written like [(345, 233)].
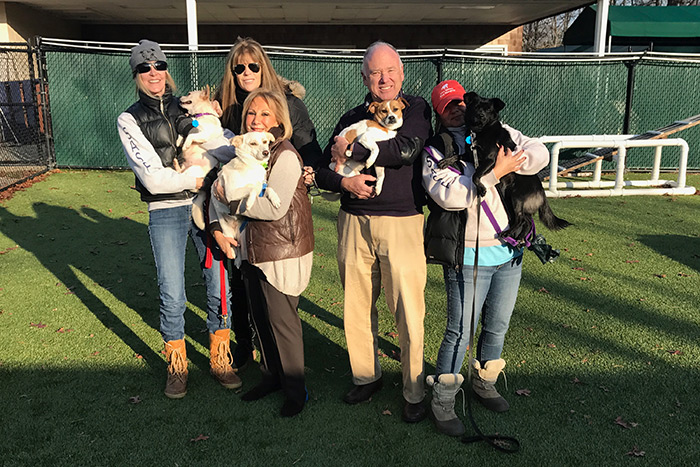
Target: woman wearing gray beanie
[(148, 134)]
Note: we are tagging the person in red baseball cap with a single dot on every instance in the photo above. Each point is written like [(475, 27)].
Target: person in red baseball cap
[(450, 240), (448, 102)]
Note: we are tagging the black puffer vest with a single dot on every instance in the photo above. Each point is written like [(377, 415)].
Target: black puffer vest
[(444, 230), (157, 120)]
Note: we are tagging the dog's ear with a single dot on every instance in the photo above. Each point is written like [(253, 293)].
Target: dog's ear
[(373, 107), (498, 104), (470, 97), (270, 136), (217, 108), (237, 141), (205, 92), (403, 101)]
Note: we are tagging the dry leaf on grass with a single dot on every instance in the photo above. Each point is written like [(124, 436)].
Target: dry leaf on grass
[(636, 452)]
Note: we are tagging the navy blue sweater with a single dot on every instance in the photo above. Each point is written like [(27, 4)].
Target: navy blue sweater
[(402, 194)]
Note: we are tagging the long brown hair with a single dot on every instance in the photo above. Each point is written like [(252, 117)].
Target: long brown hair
[(226, 93)]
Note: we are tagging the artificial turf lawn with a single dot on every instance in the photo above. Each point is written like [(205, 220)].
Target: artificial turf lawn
[(603, 349)]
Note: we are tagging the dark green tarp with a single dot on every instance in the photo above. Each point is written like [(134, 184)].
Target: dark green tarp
[(638, 25)]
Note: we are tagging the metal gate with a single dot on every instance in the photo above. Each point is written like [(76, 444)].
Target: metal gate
[(25, 129)]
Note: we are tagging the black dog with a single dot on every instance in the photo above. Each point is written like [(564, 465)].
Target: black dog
[(522, 195)]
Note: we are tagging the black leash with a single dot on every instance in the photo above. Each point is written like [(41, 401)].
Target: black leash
[(505, 444)]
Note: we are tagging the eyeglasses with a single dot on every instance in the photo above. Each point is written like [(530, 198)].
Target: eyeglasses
[(240, 68), (145, 67)]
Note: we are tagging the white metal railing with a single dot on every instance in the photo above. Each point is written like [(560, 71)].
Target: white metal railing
[(620, 186)]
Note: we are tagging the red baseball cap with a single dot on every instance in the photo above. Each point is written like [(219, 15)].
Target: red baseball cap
[(444, 93)]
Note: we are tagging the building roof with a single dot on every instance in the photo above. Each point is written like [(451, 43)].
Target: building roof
[(313, 12)]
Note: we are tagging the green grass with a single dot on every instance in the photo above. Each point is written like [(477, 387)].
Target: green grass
[(610, 330)]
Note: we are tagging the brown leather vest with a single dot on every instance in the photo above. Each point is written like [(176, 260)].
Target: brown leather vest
[(292, 236)]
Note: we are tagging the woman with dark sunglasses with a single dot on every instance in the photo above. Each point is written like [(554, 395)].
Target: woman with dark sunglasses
[(147, 131), (248, 68)]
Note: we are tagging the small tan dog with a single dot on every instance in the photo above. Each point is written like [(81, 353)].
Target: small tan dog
[(243, 179), (205, 113), (388, 117)]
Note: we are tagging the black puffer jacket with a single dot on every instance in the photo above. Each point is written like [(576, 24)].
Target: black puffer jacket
[(303, 131), (157, 119)]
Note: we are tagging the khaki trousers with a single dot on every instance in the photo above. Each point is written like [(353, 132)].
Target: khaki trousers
[(375, 251)]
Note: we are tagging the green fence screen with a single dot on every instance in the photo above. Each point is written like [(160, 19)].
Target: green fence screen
[(88, 90)]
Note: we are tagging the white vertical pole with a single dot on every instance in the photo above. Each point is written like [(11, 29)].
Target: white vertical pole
[(601, 26), (192, 25)]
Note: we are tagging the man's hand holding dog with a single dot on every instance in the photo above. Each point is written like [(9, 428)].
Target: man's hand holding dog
[(507, 162), (357, 185), (338, 151)]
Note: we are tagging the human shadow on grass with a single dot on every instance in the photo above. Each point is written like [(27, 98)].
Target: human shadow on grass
[(386, 347), (115, 254), (634, 314), (54, 411), (681, 248)]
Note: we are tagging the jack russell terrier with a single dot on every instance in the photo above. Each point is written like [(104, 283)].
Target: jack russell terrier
[(388, 117)]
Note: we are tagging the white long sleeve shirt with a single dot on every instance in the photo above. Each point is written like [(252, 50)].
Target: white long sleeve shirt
[(147, 166), (453, 191)]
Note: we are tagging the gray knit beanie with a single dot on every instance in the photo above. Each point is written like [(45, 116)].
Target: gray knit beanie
[(146, 51)]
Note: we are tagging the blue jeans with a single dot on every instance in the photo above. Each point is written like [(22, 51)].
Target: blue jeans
[(496, 292), (168, 229)]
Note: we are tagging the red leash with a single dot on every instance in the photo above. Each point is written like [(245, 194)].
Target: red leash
[(209, 259)]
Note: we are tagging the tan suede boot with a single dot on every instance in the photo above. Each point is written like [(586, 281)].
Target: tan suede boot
[(175, 354), (483, 384), (220, 359), (442, 407)]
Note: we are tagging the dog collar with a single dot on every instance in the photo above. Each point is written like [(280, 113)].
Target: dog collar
[(195, 122)]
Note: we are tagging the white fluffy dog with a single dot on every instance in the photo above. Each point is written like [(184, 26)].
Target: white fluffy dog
[(243, 179), (205, 113)]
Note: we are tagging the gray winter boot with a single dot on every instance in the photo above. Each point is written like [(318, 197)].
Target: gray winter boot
[(442, 407), (483, 384)]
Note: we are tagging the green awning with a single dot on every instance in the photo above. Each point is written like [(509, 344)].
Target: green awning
[(640, 22), (654, 21)]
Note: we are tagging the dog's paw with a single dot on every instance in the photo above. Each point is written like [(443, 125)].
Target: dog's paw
[(273, 197), (445, 163)]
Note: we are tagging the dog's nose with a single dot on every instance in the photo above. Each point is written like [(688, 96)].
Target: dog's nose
[(391, 119), (265, 153)]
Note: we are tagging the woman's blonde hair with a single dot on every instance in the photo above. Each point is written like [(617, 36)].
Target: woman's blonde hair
[(169, 83), (226, 93), (278, 105)]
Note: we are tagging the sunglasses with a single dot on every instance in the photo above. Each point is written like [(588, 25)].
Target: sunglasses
[(240, 68), (145, 67)]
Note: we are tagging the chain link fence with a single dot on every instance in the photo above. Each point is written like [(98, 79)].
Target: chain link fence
[(24, 142), (544, 96)]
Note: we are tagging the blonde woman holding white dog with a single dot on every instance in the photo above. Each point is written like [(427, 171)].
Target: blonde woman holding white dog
[(248, 67), (147, 133), (277, 250)]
